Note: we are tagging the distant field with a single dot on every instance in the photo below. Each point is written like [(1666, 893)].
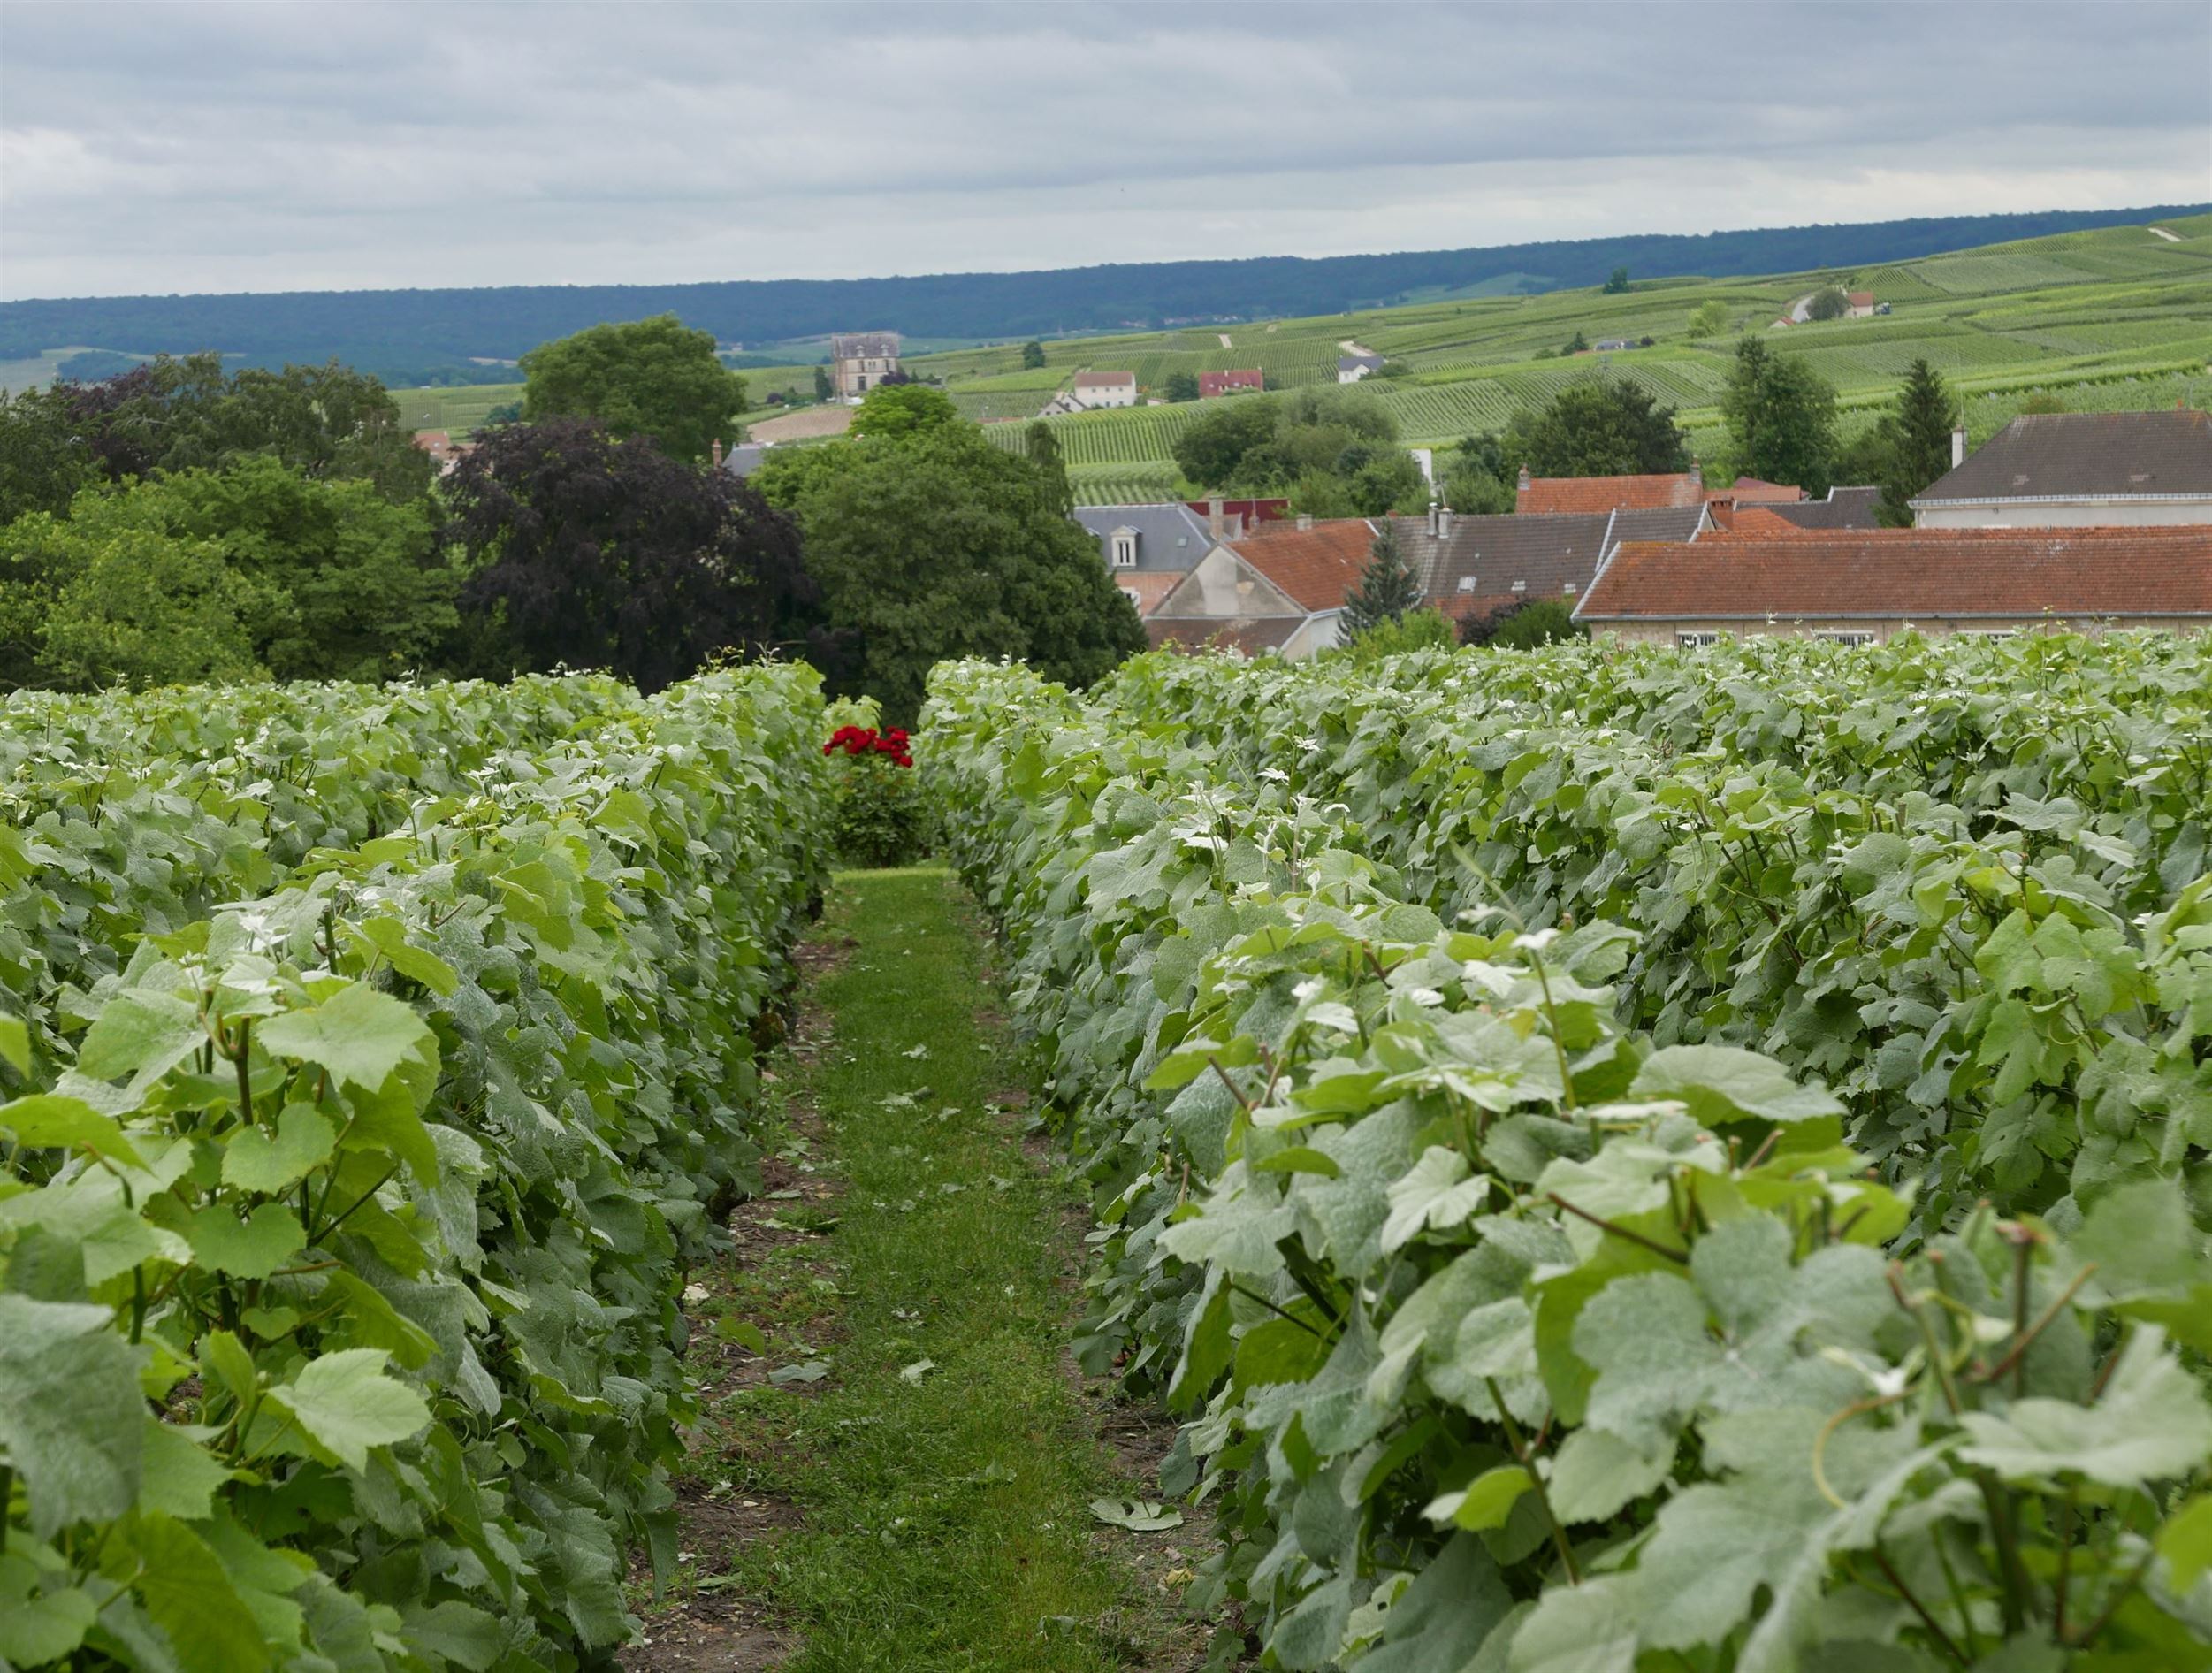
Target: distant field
[(2102, 320), (460, 408)]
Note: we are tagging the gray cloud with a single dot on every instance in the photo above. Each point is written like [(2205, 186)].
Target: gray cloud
[(189, 146)]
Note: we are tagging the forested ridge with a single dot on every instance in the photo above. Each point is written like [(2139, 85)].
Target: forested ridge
[(420, 335)]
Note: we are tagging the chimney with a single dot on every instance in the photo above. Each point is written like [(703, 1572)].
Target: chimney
[(718, 453), (1432, 519), (1958, 447), (1696, 475), (1213, 518), (1236, 525), (1305, 522), (1524, 479)]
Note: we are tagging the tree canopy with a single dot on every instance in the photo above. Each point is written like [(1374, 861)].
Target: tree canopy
[(1917, 440), (642, 378), (1334, 450), (1828, 303), (1600, 427), (903, 412), (938, 545), (592, 550), (1781, 418)]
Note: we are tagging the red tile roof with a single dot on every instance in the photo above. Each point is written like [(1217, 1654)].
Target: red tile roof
[(1317, 566), (1220, 383), (1930, 574), (1746, 491), (1105, 381), (1860, 298), (1609, 493)]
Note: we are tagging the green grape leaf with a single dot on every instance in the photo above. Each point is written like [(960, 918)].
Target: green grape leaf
[(359, 1035), (15, 1045), (256, 1159), (71, 1415), (1723, 1083), (2185, 1543), (1485, 1501), (177, 1476), (48, 1119), (2151, 1423), (36, 1630), (1435, 1195), (189, 1593), (252, 1248), (344, 1404), (1595, 1473), (142, 1034)]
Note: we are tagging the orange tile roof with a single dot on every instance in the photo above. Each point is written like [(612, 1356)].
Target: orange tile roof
[(1610, 493), (1925, 573), (1746, 491), (1316, 567)]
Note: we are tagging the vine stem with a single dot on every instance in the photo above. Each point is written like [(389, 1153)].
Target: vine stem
[(1527, 1459), (2017, 1354), (1889, 1570), (1656, 1247)]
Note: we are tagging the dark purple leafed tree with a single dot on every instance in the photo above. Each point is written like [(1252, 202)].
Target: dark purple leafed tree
[(591, 552)]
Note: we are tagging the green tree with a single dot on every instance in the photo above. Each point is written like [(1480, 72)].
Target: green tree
[(43, 460), (942, 546), (1618, 283), (1042, 450), (1387, 589), (1033, 355), (1598, 427), (1576, 344), (106, 596), (903, 412), (641, 378), (1919, 433), (1422, 630), (1829, 303), (356, 587), (1181, 385), (1477, 478), (1523, 626), (1708, 319), (1211, 450), (823, 388), (1781, 418)]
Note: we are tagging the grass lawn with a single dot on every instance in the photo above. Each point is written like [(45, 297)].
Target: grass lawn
[(939, 1465)]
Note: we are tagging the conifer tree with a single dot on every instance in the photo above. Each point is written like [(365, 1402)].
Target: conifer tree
[(1387, 588), (1920, 437)]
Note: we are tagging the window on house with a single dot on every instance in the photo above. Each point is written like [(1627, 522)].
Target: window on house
[(1467, 583), (1847, 638), (1520, 586), (1124, 551), (1697, 641)]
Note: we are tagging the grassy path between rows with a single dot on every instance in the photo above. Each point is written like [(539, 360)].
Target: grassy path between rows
[(901, 1476)]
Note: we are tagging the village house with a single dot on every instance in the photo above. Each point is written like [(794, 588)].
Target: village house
[(1861, 304), (1211, 384), (445, 452), (1842, 508), (1473, 568), (1279, 589), (861, 360), (1148, 548), (1351, 368), (1862, 587), (2070, 468), (1092, 390)]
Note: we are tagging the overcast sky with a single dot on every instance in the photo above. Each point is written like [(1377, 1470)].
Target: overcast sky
[(273, 146)]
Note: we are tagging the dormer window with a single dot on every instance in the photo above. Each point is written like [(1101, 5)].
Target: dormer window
[(1467, 583), (1125, 547)]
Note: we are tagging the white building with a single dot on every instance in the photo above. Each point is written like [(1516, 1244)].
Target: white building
[(863, 360), (1351, 368), (1095, 389)]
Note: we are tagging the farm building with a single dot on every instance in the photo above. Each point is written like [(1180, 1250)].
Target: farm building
[(1351, 368), (1092, 390), (1211, 384), (2072, 469), (1861, 304), (1862, 587), (861, 360)]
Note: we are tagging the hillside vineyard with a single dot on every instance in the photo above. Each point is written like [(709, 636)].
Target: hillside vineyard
[(1628, 1158)]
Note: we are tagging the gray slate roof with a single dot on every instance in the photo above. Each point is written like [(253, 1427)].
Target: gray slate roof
[(1544, 551), (870, 345), (2077, 455), (1159, 530), (1844, 509), (1345, 362), (744, 459)]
